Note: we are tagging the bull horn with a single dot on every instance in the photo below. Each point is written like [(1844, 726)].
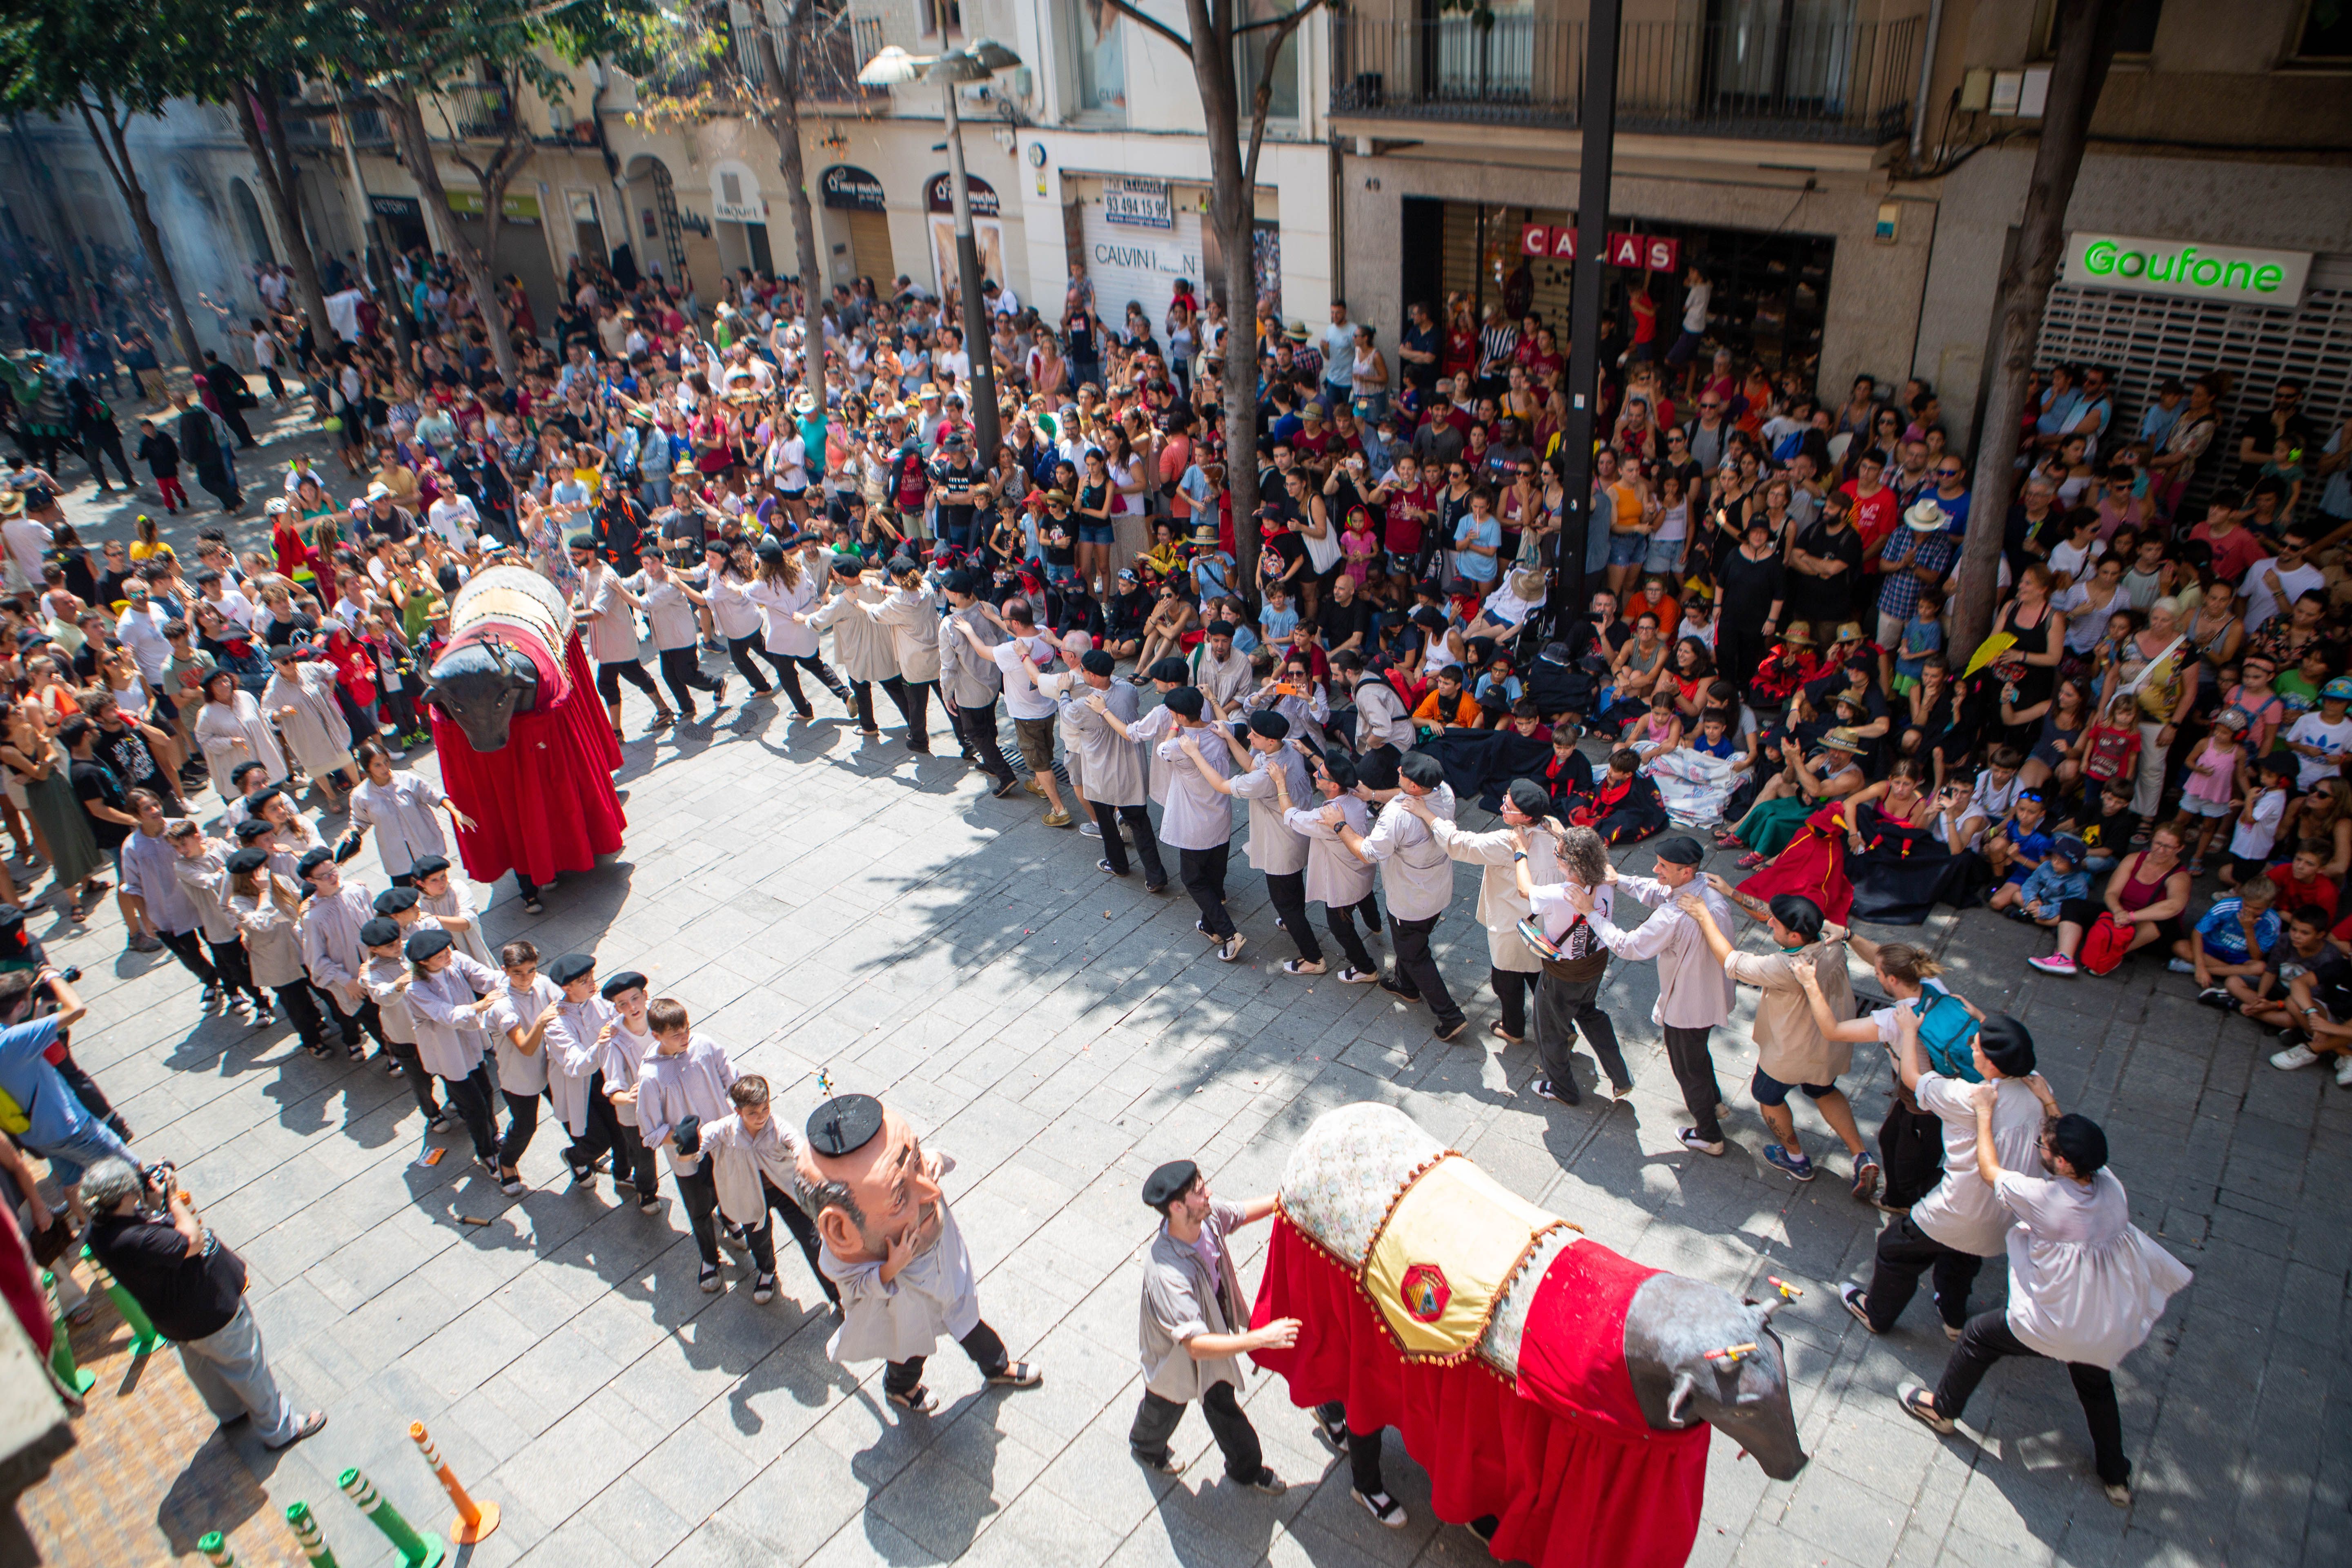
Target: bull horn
[(1685, 1388)]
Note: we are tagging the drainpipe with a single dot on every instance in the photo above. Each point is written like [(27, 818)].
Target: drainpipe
[(1927, 72)]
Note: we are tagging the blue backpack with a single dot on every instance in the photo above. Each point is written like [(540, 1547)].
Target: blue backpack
[(1945, 1031)]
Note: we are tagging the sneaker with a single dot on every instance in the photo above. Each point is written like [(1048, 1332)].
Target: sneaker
[(2294, 1056), (1852, 1295), (1303, 966), (1920, 1405), (2056, 964), (1353, 976), (1090, 830), (2181, 966), (1004, 786), (1057, 819), (1383, 1507), (1798, 1166), (1865, 1178), (1692, 1141), (142, 943), (2343, 1072), (1232, 948), (1106, 868), (1033, 788), (1267, 1481), (763, 1288), (1557, 1093), (708, 1280)]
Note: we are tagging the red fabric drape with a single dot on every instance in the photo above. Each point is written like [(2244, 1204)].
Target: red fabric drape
[(1573, 1488), (20, 1284), (1811, 866), (545, 804)]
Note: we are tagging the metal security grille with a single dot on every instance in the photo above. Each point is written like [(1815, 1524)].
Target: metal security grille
[(2144, 337)]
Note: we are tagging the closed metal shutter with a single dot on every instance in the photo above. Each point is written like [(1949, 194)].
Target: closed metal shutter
[(870, 246), (2144, 337), (1142, 265)]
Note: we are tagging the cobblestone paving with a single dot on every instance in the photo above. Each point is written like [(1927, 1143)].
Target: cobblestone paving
[(822, 904)]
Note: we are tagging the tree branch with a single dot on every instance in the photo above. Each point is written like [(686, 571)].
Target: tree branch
[(1152, 24)]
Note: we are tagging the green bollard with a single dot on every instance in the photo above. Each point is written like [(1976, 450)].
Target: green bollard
[(61, 1356), (145, 1340), (416, 1550), (216, 1551), (307, 1536)]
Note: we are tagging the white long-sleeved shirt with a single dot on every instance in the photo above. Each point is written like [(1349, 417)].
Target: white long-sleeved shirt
[(1694, 992), (1417, 873), (694, 1082), (330, 941), (149, 872), (404, 816), (451, 1046)]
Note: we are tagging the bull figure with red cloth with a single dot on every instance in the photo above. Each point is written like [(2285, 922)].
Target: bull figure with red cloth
[(525, 749), (1560, 1395)]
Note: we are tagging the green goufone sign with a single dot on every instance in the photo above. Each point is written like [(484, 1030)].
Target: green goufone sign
[(2230, 274)]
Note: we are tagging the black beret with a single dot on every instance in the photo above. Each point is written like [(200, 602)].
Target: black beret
[(1530, 797), (1171, 670), (248, 860), (580, 538), (285, 653), (251, 828), (1186, 700), (902, 565), (424, 941), (1220, 629), (314, 860), (2007, 1044), (769, 550), (566, 967), (844, 1124), (1423, 769), (426, 866), (847, 565), (379, 931), (1094, 661), (261, 797), (1272, 725), (1167, 1184), (391, 901), (960, 582), (1680, 851), (627, 979)]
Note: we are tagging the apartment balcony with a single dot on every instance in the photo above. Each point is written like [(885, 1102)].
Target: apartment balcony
[(1765, 78)]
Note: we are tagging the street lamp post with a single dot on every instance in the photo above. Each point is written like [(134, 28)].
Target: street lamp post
[(976, 61)]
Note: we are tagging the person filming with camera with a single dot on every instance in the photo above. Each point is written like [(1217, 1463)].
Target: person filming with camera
[(144, 1230)]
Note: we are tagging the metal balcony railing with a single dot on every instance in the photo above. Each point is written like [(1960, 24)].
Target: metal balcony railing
[(1763, 76)]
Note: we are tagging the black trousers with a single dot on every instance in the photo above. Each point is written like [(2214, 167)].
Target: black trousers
[(1417, 968), (471, 1098), (1203, 875), (740, 650), (522, 1125), (1340, 921), (1364, 1451), (189, 948), (1147, 846), (1911, 1146), (610, 673), (1906, 1252), (1564, 1009), (1511, 988), (1286, 891), (681, 669), (100, 445), (986, 1350), (603, 1134), (975, 730), (643, 1173), (918, 709), (411, 1068), (1156, 1419), (1694, 1065), (369, 1018), (861, 694), (788, 669), (301, 1010), (1987, 1338), (762, 1241), (215, 479), (234, 417), (236, 974), (698, 1191)]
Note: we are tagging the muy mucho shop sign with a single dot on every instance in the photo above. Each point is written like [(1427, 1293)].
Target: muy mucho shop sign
[(2226, 273)]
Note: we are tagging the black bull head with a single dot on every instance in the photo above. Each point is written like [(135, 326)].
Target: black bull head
[(1670, 1326), (481, 686)]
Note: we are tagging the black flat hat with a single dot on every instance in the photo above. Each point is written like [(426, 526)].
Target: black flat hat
[(568, 968), (1167, 1184), (391, 901), (248, 860), (844, 1124), (426, 866), (379, 931), (424, 943), (627, 979), (1680, 851)]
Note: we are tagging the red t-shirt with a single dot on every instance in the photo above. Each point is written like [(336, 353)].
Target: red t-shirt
[(1876, 517), (2233, 553), (1401, 531), (2319, 893)]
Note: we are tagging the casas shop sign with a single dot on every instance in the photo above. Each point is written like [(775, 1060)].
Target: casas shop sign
[(2229, 274)]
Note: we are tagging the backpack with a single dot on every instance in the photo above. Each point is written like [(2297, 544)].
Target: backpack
[(2104, 944), (2107, 754), (1945, 1030)]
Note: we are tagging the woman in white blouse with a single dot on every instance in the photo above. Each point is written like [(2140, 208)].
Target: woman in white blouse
[(231, 730), (783, 590)]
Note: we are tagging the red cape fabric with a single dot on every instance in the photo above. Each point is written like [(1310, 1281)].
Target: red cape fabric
[(1572, 1487), (20, 1286), (1813, 866), (545, 804)]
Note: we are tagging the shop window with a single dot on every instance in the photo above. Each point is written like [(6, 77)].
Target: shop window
[(2325, 36), (1250, 63), (1101, 49)]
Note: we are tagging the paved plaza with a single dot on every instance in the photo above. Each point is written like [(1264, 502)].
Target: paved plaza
[(822, 904)]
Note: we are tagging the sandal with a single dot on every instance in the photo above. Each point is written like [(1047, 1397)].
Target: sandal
[(2197, 868), (916, 1401), (1921, 1405), (1728, 840), (1017, 1374)]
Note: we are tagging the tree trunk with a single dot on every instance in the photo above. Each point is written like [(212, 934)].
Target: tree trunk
[(114, 151), (2085, 47), (782, 71), (264, 125), (1232, 209), (417, 149)]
